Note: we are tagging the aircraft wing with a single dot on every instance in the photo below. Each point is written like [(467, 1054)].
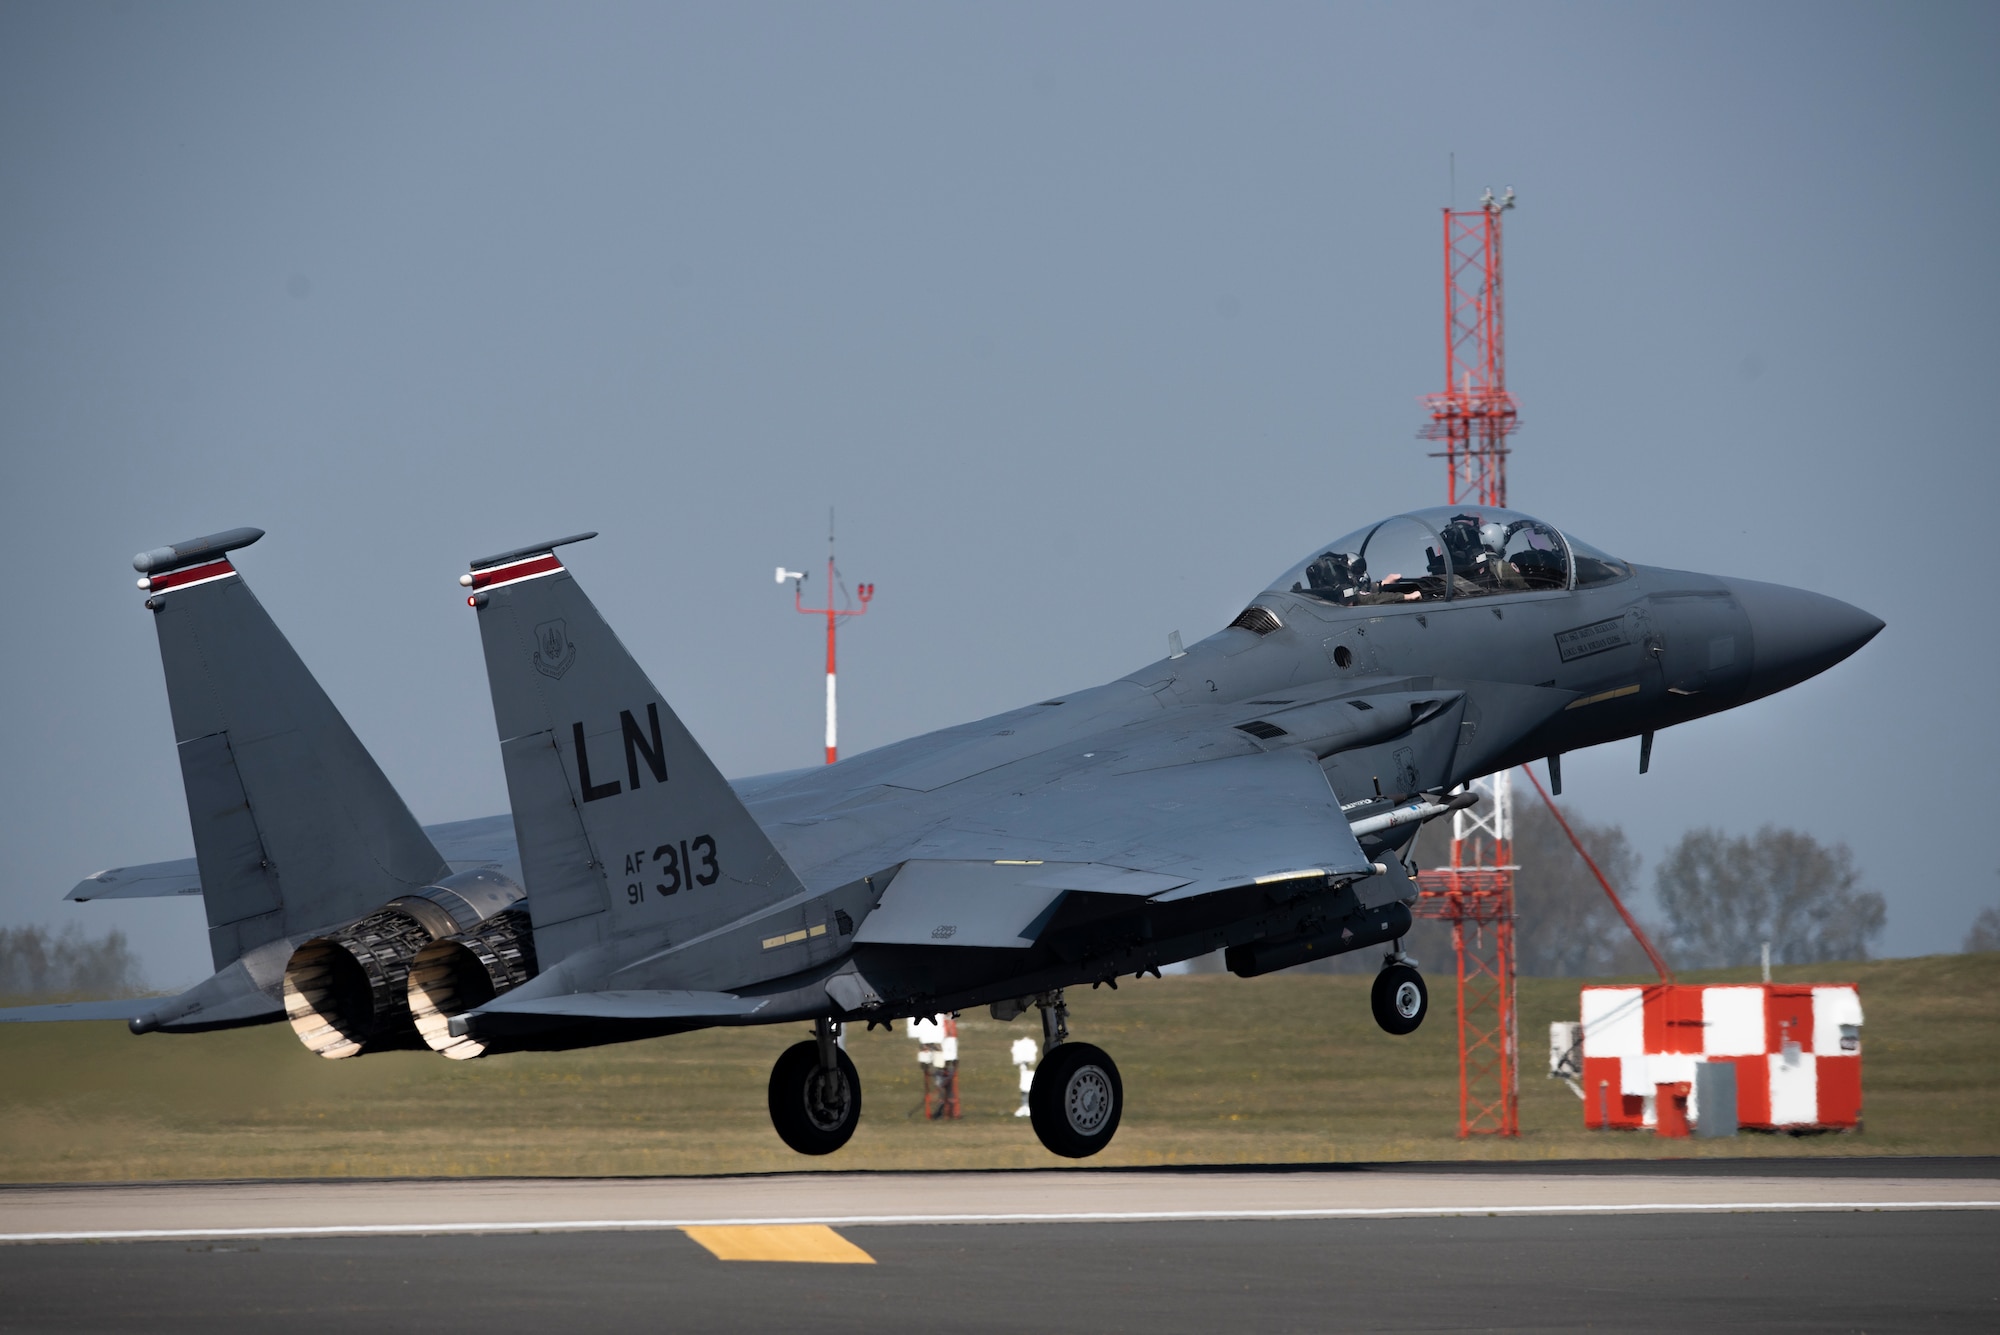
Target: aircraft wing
[(993, 875), (1210, 825)]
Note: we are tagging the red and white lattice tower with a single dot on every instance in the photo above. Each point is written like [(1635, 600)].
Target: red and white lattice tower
[(1475, 414), (1475, 894)]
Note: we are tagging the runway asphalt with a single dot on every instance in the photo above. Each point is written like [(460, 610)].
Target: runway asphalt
[(1886, 1245)]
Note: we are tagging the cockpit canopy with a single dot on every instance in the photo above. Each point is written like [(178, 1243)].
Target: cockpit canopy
[(1450, 552)]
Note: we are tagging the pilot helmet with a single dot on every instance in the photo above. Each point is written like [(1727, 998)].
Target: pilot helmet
[(1493, 535)]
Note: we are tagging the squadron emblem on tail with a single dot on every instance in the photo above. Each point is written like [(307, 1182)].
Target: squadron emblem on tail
[(553, 650)]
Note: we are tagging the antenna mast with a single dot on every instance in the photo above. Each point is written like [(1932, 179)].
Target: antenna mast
[(833, 614), (1475, 414), (1473, 417)]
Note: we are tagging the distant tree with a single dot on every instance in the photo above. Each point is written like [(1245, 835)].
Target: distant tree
[(37, 962), (1725, 896), (1565, 925), (1985, 933)]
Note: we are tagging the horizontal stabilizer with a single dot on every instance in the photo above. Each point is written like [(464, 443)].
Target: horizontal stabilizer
[(148, 880), (246, 992), (465, 845), (664, 1005), (483, 841), (125, 1008)]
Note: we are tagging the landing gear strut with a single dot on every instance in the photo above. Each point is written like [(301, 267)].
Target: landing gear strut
[(1077, 1097), (815, 1093), (1399, 998)]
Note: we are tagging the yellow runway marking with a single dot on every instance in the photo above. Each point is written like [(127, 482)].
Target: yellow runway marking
[(778, 1242)]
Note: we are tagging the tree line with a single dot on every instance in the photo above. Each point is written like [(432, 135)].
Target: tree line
[(1717, 898), (37, 962)]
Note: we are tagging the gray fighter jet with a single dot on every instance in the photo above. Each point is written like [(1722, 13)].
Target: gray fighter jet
[(1255, 792)]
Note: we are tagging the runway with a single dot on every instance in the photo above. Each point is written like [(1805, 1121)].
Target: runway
[(1722, 1244), (546, 1205)]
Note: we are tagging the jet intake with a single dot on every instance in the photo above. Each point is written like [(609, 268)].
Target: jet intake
[(347, 992), (458, 973), (1370, 927)]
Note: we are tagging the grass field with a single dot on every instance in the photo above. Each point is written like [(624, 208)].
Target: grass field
[(1217, 1070)]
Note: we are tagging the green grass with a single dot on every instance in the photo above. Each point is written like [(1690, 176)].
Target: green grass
[(1217, 1070)]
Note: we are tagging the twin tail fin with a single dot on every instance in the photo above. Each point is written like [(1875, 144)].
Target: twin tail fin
[(295, 826), (625, 825)]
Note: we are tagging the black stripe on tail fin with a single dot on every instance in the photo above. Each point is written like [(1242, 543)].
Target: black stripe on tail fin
[(295, 827), (625, 825)]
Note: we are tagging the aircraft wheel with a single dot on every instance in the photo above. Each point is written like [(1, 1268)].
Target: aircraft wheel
[(815, 1111), (1076, 1100), (1400, 999)]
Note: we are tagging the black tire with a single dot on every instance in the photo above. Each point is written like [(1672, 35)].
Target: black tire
[(810, 1117), (1076, 1100), (1399, 999)]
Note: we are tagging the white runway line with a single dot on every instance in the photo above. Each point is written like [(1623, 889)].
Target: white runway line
[(1052, 1217)]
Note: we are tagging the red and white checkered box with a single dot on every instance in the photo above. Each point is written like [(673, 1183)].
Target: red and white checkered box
[(1796, 1048)]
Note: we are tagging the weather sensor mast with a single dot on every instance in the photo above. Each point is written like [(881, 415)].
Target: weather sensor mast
[(1475, 414), (833, 613)]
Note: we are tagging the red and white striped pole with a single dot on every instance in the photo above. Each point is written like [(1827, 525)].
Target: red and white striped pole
[(832, 672), (863, 592)]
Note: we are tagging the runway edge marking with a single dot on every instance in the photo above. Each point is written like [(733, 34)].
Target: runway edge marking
[(1034, 1217)]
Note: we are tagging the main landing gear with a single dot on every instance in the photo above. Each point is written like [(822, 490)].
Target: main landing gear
[(1077, 1097), (815, 1093), (1399, 998)]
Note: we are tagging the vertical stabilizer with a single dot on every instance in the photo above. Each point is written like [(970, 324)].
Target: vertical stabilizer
[(295, 826), (624, 823)]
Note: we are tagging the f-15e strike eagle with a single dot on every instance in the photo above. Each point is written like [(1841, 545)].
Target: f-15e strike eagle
[(1256, 793)]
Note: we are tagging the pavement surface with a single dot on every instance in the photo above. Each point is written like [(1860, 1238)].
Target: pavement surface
[(134, 1212), (1884, 1245)]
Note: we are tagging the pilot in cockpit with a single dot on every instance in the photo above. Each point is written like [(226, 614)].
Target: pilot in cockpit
[(1479, 561), (1338, 576), (1474, 565)]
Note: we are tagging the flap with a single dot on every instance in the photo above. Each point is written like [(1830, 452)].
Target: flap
[(1001, 904)]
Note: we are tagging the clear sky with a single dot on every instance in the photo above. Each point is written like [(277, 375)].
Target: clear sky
[(1090, 320)]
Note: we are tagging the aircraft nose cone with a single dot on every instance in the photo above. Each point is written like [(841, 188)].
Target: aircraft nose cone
[(1796, 634)]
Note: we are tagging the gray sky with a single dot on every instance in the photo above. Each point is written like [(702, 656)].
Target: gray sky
[(1090, 320)]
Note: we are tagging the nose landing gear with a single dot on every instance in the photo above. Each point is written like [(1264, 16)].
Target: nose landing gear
[(1077, 1098), (1399, 998), (815, 1093)]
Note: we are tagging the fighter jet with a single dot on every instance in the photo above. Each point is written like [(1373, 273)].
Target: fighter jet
[(1256, 792)]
